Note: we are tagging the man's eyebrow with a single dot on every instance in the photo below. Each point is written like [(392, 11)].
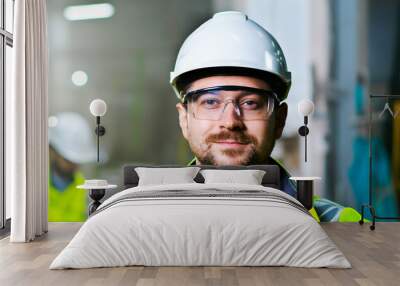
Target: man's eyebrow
[(235, 92)]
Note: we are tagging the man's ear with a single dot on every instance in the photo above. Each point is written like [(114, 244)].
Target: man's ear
[(280, 119), (183, 122)]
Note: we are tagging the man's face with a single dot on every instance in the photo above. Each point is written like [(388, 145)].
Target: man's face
[(231, 140)]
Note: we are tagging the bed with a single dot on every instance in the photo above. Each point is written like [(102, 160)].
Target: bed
[(201, 224)]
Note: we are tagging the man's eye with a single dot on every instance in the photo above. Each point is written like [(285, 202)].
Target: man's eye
[(250, 104), (210, 103)]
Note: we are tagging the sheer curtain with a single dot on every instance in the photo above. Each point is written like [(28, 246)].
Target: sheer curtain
[(26, 123)]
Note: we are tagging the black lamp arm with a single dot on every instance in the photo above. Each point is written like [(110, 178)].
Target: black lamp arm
[(100, 131)]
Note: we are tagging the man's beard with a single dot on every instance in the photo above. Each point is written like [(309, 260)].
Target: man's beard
[(208, 158)]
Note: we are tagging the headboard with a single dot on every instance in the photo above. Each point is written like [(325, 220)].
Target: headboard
[(270, 179)]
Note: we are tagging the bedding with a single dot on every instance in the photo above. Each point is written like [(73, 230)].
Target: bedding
[(159, 176), (200, 225), (247, 177)]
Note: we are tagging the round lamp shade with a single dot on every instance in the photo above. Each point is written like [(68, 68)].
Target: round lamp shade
[(98, 107), (305, 107)]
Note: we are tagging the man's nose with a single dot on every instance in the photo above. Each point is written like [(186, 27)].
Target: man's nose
[(231, 117)]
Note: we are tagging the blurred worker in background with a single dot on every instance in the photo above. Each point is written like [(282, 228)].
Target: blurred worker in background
[(71, 144)]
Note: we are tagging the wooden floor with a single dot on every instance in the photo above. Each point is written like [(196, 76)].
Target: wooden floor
[(375, 256)]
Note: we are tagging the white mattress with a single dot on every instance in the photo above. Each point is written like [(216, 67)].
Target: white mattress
[(239, 228)]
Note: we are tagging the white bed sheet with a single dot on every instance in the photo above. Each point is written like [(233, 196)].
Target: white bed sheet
[(189, 231)]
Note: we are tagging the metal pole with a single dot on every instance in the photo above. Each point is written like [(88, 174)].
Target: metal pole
[(305, 142), (370, 150), (98, 136), (98, 146)]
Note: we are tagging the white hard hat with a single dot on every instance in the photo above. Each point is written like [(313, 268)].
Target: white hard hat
[(231, 41), (71, 136)]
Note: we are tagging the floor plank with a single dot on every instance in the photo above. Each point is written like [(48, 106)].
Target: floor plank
[(374, 255)]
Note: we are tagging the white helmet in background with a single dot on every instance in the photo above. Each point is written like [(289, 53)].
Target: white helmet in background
[(71, 136), (230, 41)]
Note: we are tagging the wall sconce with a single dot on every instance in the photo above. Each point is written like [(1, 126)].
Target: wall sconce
[(98, 108), (305, 108)]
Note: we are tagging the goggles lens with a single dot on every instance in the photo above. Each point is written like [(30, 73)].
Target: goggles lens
[(248, 103)]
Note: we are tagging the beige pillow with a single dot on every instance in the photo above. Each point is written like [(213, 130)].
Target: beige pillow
[(248, 177), (162, 176)]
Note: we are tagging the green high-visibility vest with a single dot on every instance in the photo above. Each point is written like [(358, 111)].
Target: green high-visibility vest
[(69, 205)]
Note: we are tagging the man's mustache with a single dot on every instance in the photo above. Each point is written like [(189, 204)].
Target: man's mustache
[(239, 137)]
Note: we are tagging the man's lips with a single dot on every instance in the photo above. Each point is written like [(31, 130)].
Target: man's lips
[(231, 143)]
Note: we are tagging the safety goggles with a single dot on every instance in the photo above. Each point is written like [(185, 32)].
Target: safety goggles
[(248, 103)]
